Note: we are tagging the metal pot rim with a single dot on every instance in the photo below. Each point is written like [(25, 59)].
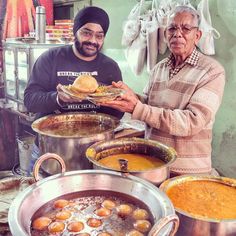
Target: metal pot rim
[(138, 140), (35, 124), (19, 200), (183, 178)]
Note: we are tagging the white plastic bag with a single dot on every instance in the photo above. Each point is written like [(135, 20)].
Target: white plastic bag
[(162, 18), (152, 37), (132, 25), (206, 43), (135, 54)]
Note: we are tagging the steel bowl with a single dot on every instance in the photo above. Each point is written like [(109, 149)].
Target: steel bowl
[(72, 146), (198, 226), (35, 196), (135, 145)]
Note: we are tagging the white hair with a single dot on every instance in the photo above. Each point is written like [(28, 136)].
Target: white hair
[(191, 10)]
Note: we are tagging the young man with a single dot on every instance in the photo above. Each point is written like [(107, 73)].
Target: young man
[(62, 65)]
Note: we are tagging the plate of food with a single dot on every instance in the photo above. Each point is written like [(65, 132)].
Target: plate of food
[(81, 87), (86, 87), (105, 93)]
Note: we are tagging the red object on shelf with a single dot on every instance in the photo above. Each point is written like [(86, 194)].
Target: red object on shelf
[(48, 4), (20, 17)]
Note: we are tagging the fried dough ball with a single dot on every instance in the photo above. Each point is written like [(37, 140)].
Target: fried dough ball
[(124, 210), (82, 234), (142, 225), (41, 223), (109, 204), (93, 222), (85, 84), (60, 203), (103, 212), (75, 226), (63, 215), (104, 234), (140, 214), (134, 233), (56, 227)]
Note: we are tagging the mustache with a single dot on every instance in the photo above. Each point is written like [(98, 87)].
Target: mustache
[(90, 44)]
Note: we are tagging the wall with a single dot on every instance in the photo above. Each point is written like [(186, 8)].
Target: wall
[(223, 18)]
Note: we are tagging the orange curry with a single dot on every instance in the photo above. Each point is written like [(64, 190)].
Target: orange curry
[(204, 198), (136, 162)]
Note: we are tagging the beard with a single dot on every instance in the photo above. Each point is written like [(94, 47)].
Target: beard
[(81, 48)]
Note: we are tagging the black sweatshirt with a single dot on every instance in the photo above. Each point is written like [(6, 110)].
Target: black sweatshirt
[(60, 65)]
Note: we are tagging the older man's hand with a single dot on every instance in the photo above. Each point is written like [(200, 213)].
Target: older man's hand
[(126, 102)]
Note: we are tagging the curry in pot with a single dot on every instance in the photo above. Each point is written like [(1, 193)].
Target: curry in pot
[(135, 161), (89, 214), (75, 128), (203, 198)]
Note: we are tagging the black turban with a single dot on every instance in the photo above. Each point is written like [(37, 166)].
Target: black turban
[(91, 15)]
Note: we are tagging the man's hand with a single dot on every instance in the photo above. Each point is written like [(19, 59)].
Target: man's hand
[(126, 102)]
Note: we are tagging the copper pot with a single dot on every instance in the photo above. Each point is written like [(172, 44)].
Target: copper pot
[(135, 145), (85, 129), (43, 191), (191, 225)]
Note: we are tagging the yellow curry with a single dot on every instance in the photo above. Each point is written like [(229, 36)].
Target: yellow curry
[(136, 162), (204, 198)]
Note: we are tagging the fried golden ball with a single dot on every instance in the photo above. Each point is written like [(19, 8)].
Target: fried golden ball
[(56, 227), (41, 223), (142, 225), (103, 212), (93, 222), (109, 204), (104, 234), (134, 233), (63, 215), (76, 226), (140, 214), (82, 234), (85, 84), (61, 203), (124, 210)]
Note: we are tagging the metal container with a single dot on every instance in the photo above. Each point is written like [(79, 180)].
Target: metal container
[(135, 145), (195, 226), (25, 145), (72, 147), (40, 24), (38, 194)]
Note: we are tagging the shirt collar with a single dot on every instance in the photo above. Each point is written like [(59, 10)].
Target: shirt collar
[(191, 60)]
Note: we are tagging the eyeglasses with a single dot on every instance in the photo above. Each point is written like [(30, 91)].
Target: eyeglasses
[(88, 34), (184, 29)]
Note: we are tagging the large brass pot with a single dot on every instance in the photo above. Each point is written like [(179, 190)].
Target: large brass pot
[(135, 145), (81, 130), (34, 197), (191, 225)]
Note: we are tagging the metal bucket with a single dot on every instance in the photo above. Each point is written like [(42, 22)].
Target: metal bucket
[(71, 146), (25, 145)]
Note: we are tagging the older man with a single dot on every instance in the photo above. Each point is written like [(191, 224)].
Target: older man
[(182, 97)]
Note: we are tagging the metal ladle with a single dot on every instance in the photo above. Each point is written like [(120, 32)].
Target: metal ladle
[(123, 164)]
